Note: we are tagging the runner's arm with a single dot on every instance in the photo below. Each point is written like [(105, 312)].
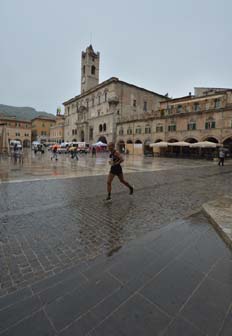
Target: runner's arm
[(119, 159)]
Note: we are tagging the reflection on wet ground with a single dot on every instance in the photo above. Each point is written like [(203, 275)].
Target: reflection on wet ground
[(66, 252), (41, 166)]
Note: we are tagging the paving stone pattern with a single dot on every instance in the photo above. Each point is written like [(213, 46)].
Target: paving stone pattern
[(73, 265), (49, 225), (148, 287)]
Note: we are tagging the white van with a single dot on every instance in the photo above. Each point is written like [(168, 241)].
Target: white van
[(15, 142)]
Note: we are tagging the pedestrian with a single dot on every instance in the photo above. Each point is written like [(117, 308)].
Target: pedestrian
[(93, 151), (115, 170), (54, 153), (74, 153), (15, 152), (221, 157)]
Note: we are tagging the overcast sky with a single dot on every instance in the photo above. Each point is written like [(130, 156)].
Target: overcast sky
[(164, 46)]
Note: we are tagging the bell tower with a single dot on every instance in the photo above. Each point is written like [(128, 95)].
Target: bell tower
[(89, 69)]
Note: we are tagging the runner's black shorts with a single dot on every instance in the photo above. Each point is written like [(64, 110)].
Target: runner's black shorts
[(116, 170)]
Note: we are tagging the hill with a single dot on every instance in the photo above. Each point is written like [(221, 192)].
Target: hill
[(23, 113)]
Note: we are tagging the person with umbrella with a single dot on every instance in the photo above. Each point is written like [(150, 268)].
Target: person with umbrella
[(54, 152)]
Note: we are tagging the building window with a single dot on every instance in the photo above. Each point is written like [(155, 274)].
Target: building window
[(217, 103), (100, 128), (179, 108), (145, 106), (68, 110), (87, 104), (196, 107), (134, 103), (147, 129), (91, 133), (120, 132), (129, 130), (210, 123), (187, 108), (159, 128), (138, 130), (105, 96), (192, 126), (92, 102), (104, 127), (99, 100), (172, 128), (93, 70)]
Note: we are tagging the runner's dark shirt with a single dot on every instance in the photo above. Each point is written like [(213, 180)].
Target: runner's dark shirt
[(115, 169)]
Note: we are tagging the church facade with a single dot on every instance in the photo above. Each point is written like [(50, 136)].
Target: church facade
[(93, 115)]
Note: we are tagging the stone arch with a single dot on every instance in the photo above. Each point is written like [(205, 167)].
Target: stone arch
[(227, 143), (82, 136), (121, 146), (146, 148), (158, 140), (173, 140), (93, 70), (129, 141), (102, 139), (191, 140), (211, 139), (138, 141), (26, 143)]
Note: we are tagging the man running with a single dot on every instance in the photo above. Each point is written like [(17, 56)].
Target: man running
[(115, 170)]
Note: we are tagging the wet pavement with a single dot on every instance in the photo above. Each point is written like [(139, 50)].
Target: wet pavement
[(35, 167), (147, 264)]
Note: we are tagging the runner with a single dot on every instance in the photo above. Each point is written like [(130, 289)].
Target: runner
[(115, 170)]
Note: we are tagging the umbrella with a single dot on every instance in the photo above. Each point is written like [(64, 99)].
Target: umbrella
[(100, 143), (204, 144), (159, 144), (179, 144)]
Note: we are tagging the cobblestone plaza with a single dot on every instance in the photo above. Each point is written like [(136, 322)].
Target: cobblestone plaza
[(147, 264)]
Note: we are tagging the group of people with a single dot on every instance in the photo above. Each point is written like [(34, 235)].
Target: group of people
[(72, 150), (17, 153)]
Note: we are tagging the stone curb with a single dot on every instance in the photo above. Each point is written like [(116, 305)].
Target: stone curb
[(214, 211)]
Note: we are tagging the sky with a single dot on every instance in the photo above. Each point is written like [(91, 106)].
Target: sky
[(167, 46)]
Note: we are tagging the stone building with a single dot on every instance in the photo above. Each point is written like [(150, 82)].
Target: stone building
[(41, 128), (57, 131), (93, 115), (15, 129), (206, 115)]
